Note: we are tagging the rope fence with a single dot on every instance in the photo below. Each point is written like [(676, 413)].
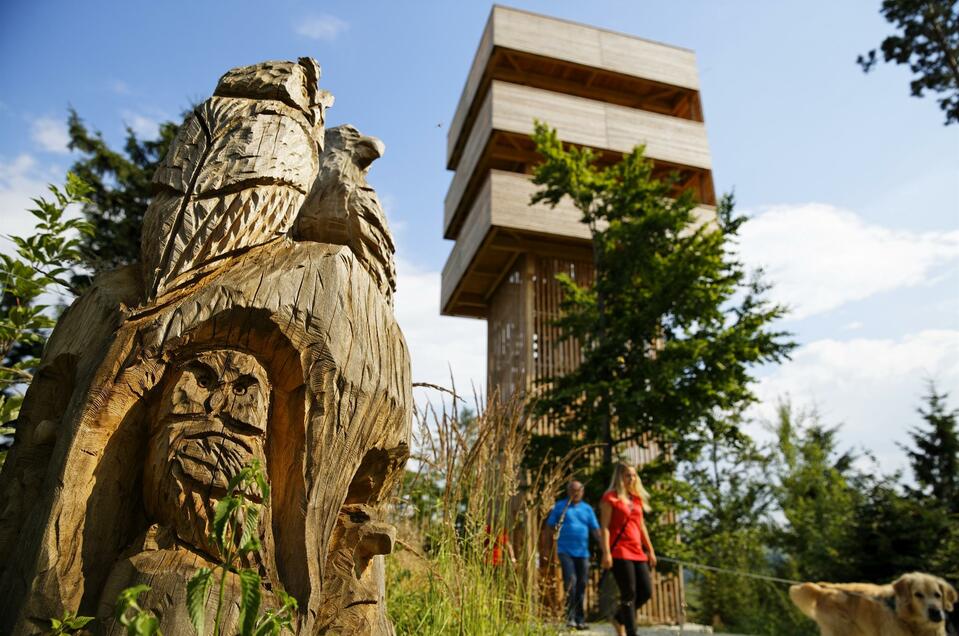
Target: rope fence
[(700, 566)]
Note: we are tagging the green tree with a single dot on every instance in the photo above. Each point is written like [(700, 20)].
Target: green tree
[(935, 498), (905, 533), (935, 458), (725, 526), (38, 271), (671, 325), (121, 188), (816, 495), (927, 39)]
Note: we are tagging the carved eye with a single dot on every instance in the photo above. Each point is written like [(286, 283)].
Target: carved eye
[(243, 384), (203, 375)]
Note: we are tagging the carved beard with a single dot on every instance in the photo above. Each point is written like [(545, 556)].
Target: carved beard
[(190, 464), (207, 453)]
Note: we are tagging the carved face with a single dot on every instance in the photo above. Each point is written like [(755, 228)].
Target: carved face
[(212, 420)]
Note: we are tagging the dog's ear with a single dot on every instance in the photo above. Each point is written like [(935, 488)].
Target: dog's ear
[(949, 596), (901, 586), (903, 589)]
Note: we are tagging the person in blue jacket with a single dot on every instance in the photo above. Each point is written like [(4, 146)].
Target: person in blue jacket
[(573, 520)]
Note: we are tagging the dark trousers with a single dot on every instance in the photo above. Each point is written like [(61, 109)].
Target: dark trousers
[(575, 576), (635, 588)]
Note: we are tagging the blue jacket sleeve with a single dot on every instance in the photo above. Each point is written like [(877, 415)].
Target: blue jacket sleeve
[(593, 521), (553, 517)]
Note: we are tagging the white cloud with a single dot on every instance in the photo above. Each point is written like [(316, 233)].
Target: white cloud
[(820, 257), (870, 386), (51, 134), (120, 87), (438, 343), (323, 27), (396, 224), (19, 183), (145, 127)]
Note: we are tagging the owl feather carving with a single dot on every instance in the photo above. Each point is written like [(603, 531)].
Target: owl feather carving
[(237, 173)]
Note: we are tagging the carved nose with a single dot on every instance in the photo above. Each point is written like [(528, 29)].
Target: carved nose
[(935, 614), (376, 538), (214, 403)]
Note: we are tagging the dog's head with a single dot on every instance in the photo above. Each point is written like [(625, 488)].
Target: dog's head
[(923, 598)]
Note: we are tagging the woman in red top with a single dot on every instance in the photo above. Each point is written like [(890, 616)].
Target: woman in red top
[(625, 543)]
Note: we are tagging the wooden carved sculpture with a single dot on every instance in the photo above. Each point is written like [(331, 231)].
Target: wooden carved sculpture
[(257, 325)]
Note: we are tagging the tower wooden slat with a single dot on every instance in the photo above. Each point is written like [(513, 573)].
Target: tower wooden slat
[(502, 203), (567, 43), (512, 108)]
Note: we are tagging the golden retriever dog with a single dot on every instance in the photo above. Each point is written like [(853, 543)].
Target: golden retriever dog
[(915, 604)]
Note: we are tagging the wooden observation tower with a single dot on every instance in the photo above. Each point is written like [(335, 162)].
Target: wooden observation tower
[(600, 89)]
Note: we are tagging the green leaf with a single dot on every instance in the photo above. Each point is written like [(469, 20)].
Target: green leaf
[(273, 622), (241, 477), (141, 622), (77, 622), (251, 525), (131, 594), (224, 511), (127, 599), (250, 597), (261, 481), (268, 626), (289, 603), (197, 590), (144, 624)]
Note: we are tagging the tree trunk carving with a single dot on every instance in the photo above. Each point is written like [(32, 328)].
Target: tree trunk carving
[(258, 325)]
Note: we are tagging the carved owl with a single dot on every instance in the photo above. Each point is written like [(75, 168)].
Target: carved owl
[(211, 421), (237, 172)]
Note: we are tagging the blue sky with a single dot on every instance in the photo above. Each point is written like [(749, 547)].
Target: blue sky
[(852, 183)]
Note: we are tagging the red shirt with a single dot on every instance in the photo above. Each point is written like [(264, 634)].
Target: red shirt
[(500, 545), (630, 544)]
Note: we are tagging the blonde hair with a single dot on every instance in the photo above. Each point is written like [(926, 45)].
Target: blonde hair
[(636, 488)]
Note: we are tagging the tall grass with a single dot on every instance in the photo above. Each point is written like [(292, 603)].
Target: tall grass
[(469, 517)]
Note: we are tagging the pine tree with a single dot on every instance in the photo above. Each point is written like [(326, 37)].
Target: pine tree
[(935, 458), (817, 498), (121, 185), (673, 322)]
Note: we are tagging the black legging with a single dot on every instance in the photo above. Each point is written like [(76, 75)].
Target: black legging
[(635, 588)]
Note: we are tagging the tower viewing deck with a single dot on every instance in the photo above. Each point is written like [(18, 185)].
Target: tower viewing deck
[(600, 89)]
